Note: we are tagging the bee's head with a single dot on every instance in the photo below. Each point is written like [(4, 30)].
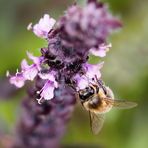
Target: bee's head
[(86, 93)]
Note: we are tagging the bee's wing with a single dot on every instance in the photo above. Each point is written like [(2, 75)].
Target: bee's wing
[(96, 122), (121, 104)]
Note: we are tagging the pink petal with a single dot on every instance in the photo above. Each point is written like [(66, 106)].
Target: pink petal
[(48, 91), (50, 76), (38, 32), (93, 70), (82, 81), (24, 65), (31, 72), (44, 25), (36, 60), (47, 23), (101, 51), (17, 80)]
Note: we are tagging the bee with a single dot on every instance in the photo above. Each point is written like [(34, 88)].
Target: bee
[(98, 99)]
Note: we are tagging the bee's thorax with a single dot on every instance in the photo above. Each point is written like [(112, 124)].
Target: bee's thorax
[(95, 102)]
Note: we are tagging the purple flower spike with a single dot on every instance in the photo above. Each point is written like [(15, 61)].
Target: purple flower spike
[(44, 25), (87, 27), (61, 70), (18, 80)]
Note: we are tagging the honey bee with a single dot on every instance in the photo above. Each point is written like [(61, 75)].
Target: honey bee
[(98, 99)]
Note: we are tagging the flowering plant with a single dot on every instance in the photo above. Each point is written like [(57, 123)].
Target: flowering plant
[(61, 70)]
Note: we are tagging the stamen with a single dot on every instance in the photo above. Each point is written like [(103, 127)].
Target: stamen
[(29, 27), (17, 71), (39, 100), (7, 74), (38, 92)]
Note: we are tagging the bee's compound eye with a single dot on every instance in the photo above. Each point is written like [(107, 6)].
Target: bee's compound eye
[(86, 93), (82, 95)]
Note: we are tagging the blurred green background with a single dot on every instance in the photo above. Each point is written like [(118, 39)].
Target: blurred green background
[(125, 69)]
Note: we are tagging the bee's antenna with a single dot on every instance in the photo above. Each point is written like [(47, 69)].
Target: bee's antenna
[(99, 81), (96, 78)]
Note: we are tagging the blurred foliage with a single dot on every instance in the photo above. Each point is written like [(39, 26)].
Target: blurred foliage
[(125, 69)]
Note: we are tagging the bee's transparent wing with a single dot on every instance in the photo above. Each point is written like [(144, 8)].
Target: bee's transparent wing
[(96, 122), (121, 104)]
